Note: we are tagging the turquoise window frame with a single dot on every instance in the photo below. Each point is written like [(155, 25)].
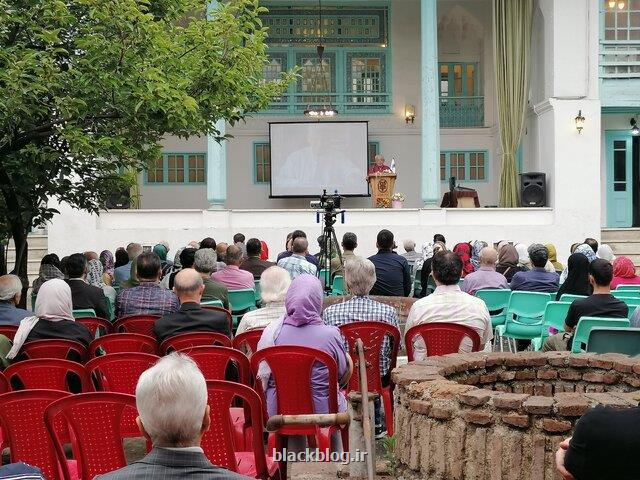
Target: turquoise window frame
[(467, 165), (165, 170), (450, 79)]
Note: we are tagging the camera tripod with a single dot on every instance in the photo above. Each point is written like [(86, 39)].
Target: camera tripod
[(330, 247)]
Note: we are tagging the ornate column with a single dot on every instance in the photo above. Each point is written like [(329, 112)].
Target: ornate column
[(430, 112)]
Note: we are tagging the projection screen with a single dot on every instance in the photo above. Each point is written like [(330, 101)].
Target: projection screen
[(309, 157)]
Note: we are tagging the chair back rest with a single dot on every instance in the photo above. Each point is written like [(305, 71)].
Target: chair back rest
[(568, 297), (372, 335), (8, 331), (338, 285), (633, 287), (247, 342), (626, 293), (323, 275), (495, 298), (186, 341), (4, 384), (631, 301), (119, 372), (441, 338), (212, 303), (220, 308), (84, 312), (242, 299), (47, 373), (95, 419), (217, 442), (528, 307), (96, 325), (258, 290), (585, 324), (554, 315), (55, 348), (23, 428), (614, 340), (214, 362), (123, 343), (142, 324)]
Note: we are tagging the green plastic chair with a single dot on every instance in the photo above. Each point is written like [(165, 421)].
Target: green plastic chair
[(33, 301), (585, 324), (110, 310), (84, 312), (554, 317), (614, 340), (632, 310), (524, 316), (258, 291), (626, 293), (496, 300), (417, 284), (212, 303), (338, 285), (567, 297), (240, 301), (631, 301), (461, 282), (628, 287)]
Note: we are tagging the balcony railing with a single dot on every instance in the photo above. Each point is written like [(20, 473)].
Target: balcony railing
[(461, 112), (359, 102), (619, 59)]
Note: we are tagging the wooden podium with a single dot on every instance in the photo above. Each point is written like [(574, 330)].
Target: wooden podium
[(382, 185)]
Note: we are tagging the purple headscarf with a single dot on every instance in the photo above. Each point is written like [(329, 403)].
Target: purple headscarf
[(108, 263), (303, 302)]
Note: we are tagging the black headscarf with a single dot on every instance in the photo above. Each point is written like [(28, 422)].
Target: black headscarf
[(577, 282)]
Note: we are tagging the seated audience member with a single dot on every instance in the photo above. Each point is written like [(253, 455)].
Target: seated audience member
[(463, 250), (553, 258), (302, 325), (577, 282), (287, 253), (606, 253), (148, 298), (253, 263), (583, 249), (508, 261), (208, 243), (171, 399), (161, 250), (108, 266), (184, 260), (21, 471), (231, 275), (191, 317), (205, 264), (349, 244), (537, 279), (449, 304), (10, 294), (49, 268), (593, 243), (123, 272), (90, 255), (122, 258), (604, 446), (238, 241), (221, 252), (410, 253), (95, 278), (274, 285), (486, 275), (523, 256), (393, 276), (85, 296), (428, 251), (297, 264), (264, 252), (476, 248), (287, 246), (53, 319), (600, 304), (624, 272)]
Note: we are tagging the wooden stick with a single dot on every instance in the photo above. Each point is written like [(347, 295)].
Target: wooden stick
[(276, 422), (366, 422)]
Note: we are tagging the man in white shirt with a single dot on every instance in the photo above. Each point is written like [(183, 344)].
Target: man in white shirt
[(297, 263), (450, 304)]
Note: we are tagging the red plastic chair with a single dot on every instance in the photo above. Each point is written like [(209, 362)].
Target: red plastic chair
[(218, 441), (95, 421), (247, 342), (22, 419), (213, 362), (8, 331), (142, 324), (96, 324), (55, 348), (185, 341), (48, 373), (291, 368), (372, 335), (441, 338), (221, 309), (123, 343)]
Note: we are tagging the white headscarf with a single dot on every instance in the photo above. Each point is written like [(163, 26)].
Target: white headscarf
[(53, 304), (606, 253), (523, 254)]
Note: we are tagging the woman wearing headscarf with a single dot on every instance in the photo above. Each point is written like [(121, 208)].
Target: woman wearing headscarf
[(122, 257), (463, 250), (95, 277), (49, 269), (606, 253), (476, 248), (162, 251), (523, 256), (53, 319), (302, 325), (264, 252), (553, 257), (425, 272), (624, 272), (508, 261), (175, 268), (108, 266), (582, 249), (577, 282), (132, 281)]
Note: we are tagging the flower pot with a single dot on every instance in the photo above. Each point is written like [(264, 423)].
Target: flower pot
[(397, 204)]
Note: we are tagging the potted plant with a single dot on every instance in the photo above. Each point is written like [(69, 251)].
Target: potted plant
[(397, 200)]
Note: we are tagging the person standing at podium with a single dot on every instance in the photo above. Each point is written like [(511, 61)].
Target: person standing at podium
[(379, 166)]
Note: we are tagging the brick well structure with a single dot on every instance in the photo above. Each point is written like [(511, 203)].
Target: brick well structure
[(491, 416)]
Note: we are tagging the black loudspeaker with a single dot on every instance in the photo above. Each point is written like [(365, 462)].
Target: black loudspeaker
[(533, 189)]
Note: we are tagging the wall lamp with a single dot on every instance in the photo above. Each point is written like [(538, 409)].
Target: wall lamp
[(579, 121), (409, 113), (634, 127)]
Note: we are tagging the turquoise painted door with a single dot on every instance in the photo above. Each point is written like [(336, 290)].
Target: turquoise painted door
[(619, 179)]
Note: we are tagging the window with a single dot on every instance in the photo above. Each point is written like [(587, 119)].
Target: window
[(620, 39), (465, 166), (178, 168), (262, 160), (461, 104)]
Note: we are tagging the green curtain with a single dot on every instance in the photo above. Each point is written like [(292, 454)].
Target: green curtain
[(512, 24)]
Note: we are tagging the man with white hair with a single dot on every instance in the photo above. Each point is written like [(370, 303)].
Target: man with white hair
[(274, 284), (206, 263), (486, 276), (171, 398), (410, 252), (10, 294)]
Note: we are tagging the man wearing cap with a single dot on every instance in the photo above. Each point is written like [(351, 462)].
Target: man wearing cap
[(537, 279)]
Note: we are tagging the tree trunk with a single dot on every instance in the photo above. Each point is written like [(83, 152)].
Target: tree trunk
[(19, 234), (3, 259)]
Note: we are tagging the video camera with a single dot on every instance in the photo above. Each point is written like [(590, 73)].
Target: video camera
[(327, 202)]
